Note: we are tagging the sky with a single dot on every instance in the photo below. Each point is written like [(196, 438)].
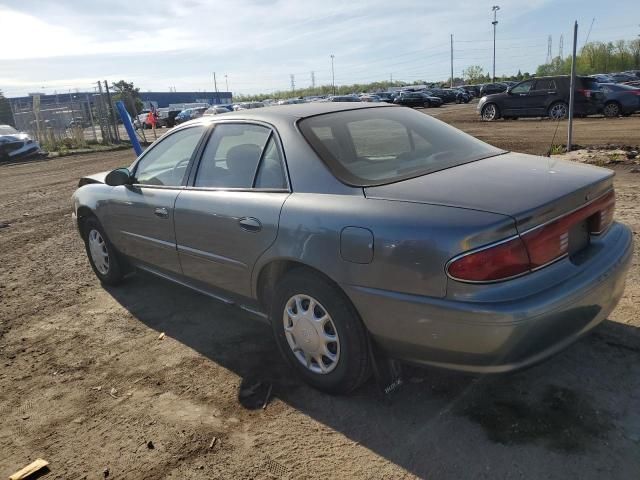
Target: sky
[(255, 45)]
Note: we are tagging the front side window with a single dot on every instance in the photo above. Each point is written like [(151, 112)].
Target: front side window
[(375, 146), (546, 84), (231, 157), (166, 162), (523, 87)]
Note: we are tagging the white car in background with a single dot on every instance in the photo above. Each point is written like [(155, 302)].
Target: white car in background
[(15, 144)]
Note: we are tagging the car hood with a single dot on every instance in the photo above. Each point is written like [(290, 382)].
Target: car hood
[(95, 178), (14, 137), (528, 188)]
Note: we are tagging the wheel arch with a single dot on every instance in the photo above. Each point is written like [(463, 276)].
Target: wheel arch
[(275, 270), (83, 213)]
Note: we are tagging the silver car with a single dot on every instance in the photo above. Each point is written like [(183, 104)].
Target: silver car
[(352, 225), (15, 144)]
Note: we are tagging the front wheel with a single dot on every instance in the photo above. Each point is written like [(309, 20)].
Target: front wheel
[(426, 104), (102, 255), (319, 332), (490, 112)]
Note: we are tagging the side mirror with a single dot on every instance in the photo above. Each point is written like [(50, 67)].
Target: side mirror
[(508, 90), (119, 176)]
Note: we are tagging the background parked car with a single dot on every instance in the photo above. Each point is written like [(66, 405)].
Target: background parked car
[(386, 96), (417, 99), (619, 99), (541, 97), (215, 110), (190, 114), (622, 77), (248, 105), (491, 88), (343, 98), (15, 144), (444, 94), (370, 98), (602, 78)]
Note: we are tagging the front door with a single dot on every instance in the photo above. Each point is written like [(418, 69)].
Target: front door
[(517, 100), (141, 216), (229, 216)]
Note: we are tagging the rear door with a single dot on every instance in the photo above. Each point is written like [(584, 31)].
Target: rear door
[(141, 215), (542, 95), (229, 214)]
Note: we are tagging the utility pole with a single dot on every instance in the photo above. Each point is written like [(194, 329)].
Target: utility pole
[(549, 50), (226, 82), (333, 76), (573, 87), (313, 79), (293, 81), (391, 77), (452, 60), (495, 9), (113, 114), (561, 47), (215, 85)]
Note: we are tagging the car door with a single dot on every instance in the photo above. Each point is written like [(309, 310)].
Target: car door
[(516, 101), (228, 215), (541, 96), (141, 215)]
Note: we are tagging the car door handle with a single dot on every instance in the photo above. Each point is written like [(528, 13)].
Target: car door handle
[(161, 212), (250, 224)]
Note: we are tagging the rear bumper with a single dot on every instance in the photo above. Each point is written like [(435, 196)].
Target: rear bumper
[(498, 337)]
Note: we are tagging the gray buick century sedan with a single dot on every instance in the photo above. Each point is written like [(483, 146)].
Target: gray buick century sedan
[(352, 225)]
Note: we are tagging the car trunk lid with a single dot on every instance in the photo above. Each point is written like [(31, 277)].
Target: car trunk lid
[(530, 189)]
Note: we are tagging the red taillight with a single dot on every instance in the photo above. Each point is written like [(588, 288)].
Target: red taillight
[(584, 91), (533, 249), (501, 261)]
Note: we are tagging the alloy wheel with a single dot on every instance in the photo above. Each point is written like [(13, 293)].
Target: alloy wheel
[(311, 334), (489, 112), (558, 111), (99, 252), (611, 110)]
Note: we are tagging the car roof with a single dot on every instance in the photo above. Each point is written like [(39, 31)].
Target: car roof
[(294, 111)]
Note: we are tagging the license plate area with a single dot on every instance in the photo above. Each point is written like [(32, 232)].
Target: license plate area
[(578, 238)]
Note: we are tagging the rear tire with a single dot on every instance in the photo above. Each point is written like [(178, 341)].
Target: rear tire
[(306, 313), (426, 104), (102, 256), (611, 109), (558, 111)]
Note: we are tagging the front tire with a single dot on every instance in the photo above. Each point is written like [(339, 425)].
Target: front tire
[(102, 256), (490, 112), (426, 104), (319, 332)]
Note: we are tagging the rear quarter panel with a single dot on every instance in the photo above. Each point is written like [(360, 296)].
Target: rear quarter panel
[(412, 241)]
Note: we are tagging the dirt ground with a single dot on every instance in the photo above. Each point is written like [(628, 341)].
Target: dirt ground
[(86, 383)]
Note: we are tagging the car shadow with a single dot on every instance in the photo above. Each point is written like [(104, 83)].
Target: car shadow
[(571, 404)]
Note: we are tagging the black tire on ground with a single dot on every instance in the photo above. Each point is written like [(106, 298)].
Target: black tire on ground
[(558, 110), (489, 115), (353, 365), (611, 109), (426, 104), (115, 271)]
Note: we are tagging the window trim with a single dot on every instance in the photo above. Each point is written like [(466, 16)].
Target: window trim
[(190, 184), (134, 166)]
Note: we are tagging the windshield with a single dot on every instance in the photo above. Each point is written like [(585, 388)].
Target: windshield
[(374, 146), (7, 130)]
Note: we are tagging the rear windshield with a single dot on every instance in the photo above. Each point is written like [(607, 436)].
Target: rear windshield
[(374, 146)]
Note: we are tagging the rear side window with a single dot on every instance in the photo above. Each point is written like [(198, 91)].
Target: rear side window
[(374, 146), (546, 84)]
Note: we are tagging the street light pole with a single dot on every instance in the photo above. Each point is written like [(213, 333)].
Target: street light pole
[(333, 77), (495, 9)]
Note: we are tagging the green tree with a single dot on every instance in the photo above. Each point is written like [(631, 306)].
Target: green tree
[(129, 94), (473, 74), (6, 116)]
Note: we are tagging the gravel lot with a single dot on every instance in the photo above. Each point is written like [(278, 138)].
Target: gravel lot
[(87, 384)]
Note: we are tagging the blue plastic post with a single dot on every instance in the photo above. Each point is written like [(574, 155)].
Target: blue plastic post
[(126, 120)]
